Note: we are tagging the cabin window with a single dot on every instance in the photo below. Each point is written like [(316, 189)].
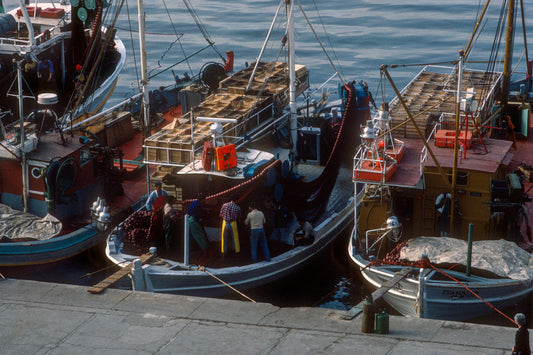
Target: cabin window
[(462, 179)]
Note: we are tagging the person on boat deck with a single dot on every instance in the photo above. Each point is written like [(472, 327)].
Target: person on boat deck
[(521, 346), (29, 69), (230, 212), (78, 78), (158, 192), (169, 221), (256, 220), (443, 205), (304, 234), (45, 74), (196, 214)]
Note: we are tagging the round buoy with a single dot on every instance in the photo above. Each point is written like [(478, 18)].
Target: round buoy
[(47, 98)]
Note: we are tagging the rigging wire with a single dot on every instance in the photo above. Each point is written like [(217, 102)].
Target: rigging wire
[(201, 27), (133, 48), (319, 42), (327, 37), (178, 37)]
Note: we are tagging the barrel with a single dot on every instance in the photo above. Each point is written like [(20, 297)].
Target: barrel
[(382, 322), (7, 24), (369, 311)]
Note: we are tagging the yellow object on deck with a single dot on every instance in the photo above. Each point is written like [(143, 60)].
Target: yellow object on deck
[(235, 233)]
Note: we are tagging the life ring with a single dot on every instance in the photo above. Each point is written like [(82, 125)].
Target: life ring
[(440, 201), (207, 156)]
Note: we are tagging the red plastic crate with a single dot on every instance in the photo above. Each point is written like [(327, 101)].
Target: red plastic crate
[(50, 12), (30, 10)]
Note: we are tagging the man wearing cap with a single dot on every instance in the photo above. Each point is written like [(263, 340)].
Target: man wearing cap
[(78, 78), (521, 346), (158, 192)]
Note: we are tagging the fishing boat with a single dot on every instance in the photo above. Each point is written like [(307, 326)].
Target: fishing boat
[(446, 235), (66, 179), (79, 41), (249, 140), (51, 173)]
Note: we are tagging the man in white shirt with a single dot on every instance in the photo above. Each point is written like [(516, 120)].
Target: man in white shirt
[(256, 221)]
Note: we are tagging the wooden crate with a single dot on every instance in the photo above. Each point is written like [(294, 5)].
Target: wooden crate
[(118, 129)]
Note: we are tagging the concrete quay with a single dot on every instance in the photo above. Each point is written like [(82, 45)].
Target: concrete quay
[(47, 318)]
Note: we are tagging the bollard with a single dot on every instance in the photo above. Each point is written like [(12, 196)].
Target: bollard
[(382, 322), (369, 310)]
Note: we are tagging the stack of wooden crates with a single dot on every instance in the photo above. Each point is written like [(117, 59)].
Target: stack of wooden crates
[(173, 145)]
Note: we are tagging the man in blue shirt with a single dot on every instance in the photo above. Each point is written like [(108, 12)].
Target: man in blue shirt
[(45, 75), (158, 192)]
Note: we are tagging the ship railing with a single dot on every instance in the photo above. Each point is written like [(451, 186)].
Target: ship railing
[(424, 151), (230, 135), (368, 165)]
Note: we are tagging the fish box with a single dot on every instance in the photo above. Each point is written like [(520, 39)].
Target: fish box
[(52, 13), (31, 11), (118, 129), (446, 138)]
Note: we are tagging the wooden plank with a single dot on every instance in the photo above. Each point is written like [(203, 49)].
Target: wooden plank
[(110, 280), (399, 276), (358, 309)]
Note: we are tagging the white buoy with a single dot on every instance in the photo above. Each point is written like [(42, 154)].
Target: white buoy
[(47, 98)]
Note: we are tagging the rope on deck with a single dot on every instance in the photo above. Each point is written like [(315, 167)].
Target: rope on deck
[(475, 294), (202, 268)]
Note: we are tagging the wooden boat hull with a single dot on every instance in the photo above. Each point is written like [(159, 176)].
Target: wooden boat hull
[(50, 250), (178, 279), (441, 299)]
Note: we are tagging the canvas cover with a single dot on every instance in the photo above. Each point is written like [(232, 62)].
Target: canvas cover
[(20, 225), (501, 257)]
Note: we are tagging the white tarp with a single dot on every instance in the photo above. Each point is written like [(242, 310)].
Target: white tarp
[(16, 224), (501, 257)]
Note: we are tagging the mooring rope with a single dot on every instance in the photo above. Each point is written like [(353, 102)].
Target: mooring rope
[(475, 294), (202, 268)]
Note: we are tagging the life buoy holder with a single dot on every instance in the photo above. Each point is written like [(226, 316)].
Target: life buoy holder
[(207, 156)]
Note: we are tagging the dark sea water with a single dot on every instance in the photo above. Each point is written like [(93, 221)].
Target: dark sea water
[(359, 36)]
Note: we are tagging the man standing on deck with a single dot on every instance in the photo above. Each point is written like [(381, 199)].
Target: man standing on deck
[(45, 75), (158, 192), (256, 220), (230, 212)]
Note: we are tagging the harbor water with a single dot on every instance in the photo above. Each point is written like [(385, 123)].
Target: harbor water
[(360, 36)]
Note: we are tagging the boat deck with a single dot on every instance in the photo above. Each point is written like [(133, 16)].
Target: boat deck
[(476, 158), (431, 93), (408, 173)]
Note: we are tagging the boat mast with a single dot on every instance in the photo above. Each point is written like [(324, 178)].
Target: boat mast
[(29, 26), (456, 137), (508, 58), (144, 82), (292, 78), (22, 140)]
